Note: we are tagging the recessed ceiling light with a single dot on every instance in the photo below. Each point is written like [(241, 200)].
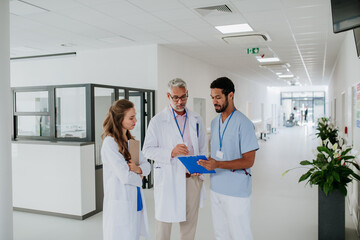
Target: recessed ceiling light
[(266, 60), (278, 73), (235, 28), (286, 76)]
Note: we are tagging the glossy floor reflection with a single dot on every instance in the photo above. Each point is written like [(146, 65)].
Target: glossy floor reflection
[(282, 209)]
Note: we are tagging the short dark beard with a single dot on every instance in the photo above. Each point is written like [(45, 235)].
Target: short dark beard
[(224, 107)]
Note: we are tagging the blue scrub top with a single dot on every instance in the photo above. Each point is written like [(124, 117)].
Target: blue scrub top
[(239, 138)]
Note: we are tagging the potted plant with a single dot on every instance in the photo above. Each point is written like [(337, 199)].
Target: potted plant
[(331, 171)]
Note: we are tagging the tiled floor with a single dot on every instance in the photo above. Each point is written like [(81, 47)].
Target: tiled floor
[(282, 209)]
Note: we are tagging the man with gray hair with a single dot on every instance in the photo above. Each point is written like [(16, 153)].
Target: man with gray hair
[(175, 131)]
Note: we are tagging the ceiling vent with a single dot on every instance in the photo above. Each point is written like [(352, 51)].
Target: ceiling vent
[(244, 39), (214, 10)]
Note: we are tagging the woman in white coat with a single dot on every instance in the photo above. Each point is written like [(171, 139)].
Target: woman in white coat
[(124, 211)]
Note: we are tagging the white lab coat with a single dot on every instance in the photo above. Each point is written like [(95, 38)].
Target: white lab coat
[(120, 216), (169, 173)]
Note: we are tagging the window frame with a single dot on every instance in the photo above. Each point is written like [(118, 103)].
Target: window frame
[(17, 114), (89, 108)]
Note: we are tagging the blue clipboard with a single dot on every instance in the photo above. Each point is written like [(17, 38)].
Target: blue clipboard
[(190, 162)]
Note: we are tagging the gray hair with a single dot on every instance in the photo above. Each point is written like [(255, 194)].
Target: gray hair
[(176, 82)]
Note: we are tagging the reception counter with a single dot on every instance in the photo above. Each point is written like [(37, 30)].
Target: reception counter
[(55, 178)]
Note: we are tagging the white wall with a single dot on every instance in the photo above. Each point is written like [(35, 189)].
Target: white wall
[(197, 74), (128, 67), (59, 180), (345, 75), (249, 92)]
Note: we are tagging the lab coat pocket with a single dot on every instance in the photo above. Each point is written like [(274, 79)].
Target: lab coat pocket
[(120, 211), (158, 176)]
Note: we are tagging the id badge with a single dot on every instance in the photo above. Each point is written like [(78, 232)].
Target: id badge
[(219, 154)]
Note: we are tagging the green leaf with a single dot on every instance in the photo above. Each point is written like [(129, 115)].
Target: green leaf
[(323, 149), (326, 189), (330, 180), (357, 177), (336, 176), (342, 189), (316, 179), (325, 166), (305, 176), (345, 152), (354, 164), (305, 163), (285, 172)]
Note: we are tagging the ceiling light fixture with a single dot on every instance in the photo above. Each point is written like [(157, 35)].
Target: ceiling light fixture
[(267, 60), (286, 76), (235, 28)]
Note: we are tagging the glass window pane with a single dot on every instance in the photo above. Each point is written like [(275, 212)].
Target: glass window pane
[(33, 126), (296, 94), (319, 94), (70, 112), (286, 94), (32, 101), (121, 94), (302, 94), (319, 109), (308, 94), (103, 101), (136, 98), (146, 104)]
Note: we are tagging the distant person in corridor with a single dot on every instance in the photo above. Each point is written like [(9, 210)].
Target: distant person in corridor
[(233, 147)]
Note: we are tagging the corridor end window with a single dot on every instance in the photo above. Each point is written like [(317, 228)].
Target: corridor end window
[(70, 108)]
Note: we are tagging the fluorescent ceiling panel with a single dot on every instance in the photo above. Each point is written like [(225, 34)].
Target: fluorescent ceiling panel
[(235, 28), (267, 60), (286, 76)]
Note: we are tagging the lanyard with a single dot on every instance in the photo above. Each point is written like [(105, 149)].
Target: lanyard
[(222, 136), (177, 124)]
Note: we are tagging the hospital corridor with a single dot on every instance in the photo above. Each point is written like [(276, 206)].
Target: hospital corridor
[(282, 209), (119, 119)]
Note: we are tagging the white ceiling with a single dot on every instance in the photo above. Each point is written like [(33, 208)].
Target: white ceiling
[(300, 32)]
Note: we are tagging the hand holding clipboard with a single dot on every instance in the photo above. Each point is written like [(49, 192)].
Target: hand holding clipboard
[(191, 163)]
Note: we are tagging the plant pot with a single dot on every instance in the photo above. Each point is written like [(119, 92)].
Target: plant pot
[(331, 216)]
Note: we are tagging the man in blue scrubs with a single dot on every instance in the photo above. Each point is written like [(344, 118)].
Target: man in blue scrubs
[(233, 147)]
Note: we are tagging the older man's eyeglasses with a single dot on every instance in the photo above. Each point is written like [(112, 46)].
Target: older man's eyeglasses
[(176, 98)]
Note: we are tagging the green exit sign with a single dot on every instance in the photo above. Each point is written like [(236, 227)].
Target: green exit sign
[(252, 50)]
